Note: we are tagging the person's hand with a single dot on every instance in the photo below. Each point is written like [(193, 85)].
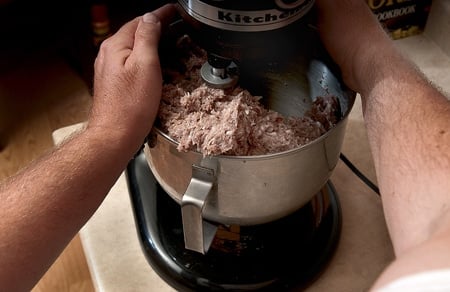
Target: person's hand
[(127, 79), (353, 37)]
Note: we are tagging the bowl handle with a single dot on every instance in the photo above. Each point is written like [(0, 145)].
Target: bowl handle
[(198, 233)]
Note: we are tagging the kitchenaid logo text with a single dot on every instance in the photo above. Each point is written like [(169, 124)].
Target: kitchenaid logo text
[(396, 12), (267, 17)]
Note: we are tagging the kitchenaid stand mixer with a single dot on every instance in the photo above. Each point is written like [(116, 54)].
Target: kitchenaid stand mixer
[(241, 223), (236, 31)]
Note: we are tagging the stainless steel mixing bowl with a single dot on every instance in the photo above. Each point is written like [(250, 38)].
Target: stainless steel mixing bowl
[(250, 190)]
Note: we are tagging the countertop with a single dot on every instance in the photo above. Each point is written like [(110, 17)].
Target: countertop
[(117, 262)]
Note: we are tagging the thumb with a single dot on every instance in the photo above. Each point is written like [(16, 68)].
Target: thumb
[(149, 29), (146, 37)]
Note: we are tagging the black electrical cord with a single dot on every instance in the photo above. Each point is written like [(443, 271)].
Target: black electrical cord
[(359, 174)]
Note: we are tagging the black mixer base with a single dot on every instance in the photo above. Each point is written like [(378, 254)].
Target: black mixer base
[(288, 254)]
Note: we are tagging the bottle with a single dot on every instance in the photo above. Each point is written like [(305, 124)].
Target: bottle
[(100, 23)]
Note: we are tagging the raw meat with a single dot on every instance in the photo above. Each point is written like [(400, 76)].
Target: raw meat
[(231, 122)]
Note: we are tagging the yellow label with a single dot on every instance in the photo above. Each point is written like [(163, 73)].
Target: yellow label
[(377, 4)]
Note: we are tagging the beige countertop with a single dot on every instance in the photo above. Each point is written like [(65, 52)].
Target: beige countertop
[(117, 262)]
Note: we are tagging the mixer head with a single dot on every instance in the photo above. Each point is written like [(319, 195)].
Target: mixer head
[(234, 32)]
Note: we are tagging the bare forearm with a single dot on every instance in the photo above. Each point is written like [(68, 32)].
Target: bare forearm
[(408, 126), (407, 119), (44, 206)]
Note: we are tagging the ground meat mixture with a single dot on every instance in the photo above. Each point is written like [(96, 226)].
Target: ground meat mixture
[(231, 122)]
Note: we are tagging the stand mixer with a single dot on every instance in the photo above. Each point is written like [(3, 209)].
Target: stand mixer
[(235, 31), (233, 222)]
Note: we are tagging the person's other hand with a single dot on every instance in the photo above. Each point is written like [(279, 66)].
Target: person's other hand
[(353, 37), (127, 78)]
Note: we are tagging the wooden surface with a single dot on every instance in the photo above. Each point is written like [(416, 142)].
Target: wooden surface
[(39, 96)]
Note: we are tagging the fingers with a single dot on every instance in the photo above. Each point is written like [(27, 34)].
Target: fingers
[(149, 31), (118, 45), (140, 34), (146, 37), (124, 37), (166, 14)]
